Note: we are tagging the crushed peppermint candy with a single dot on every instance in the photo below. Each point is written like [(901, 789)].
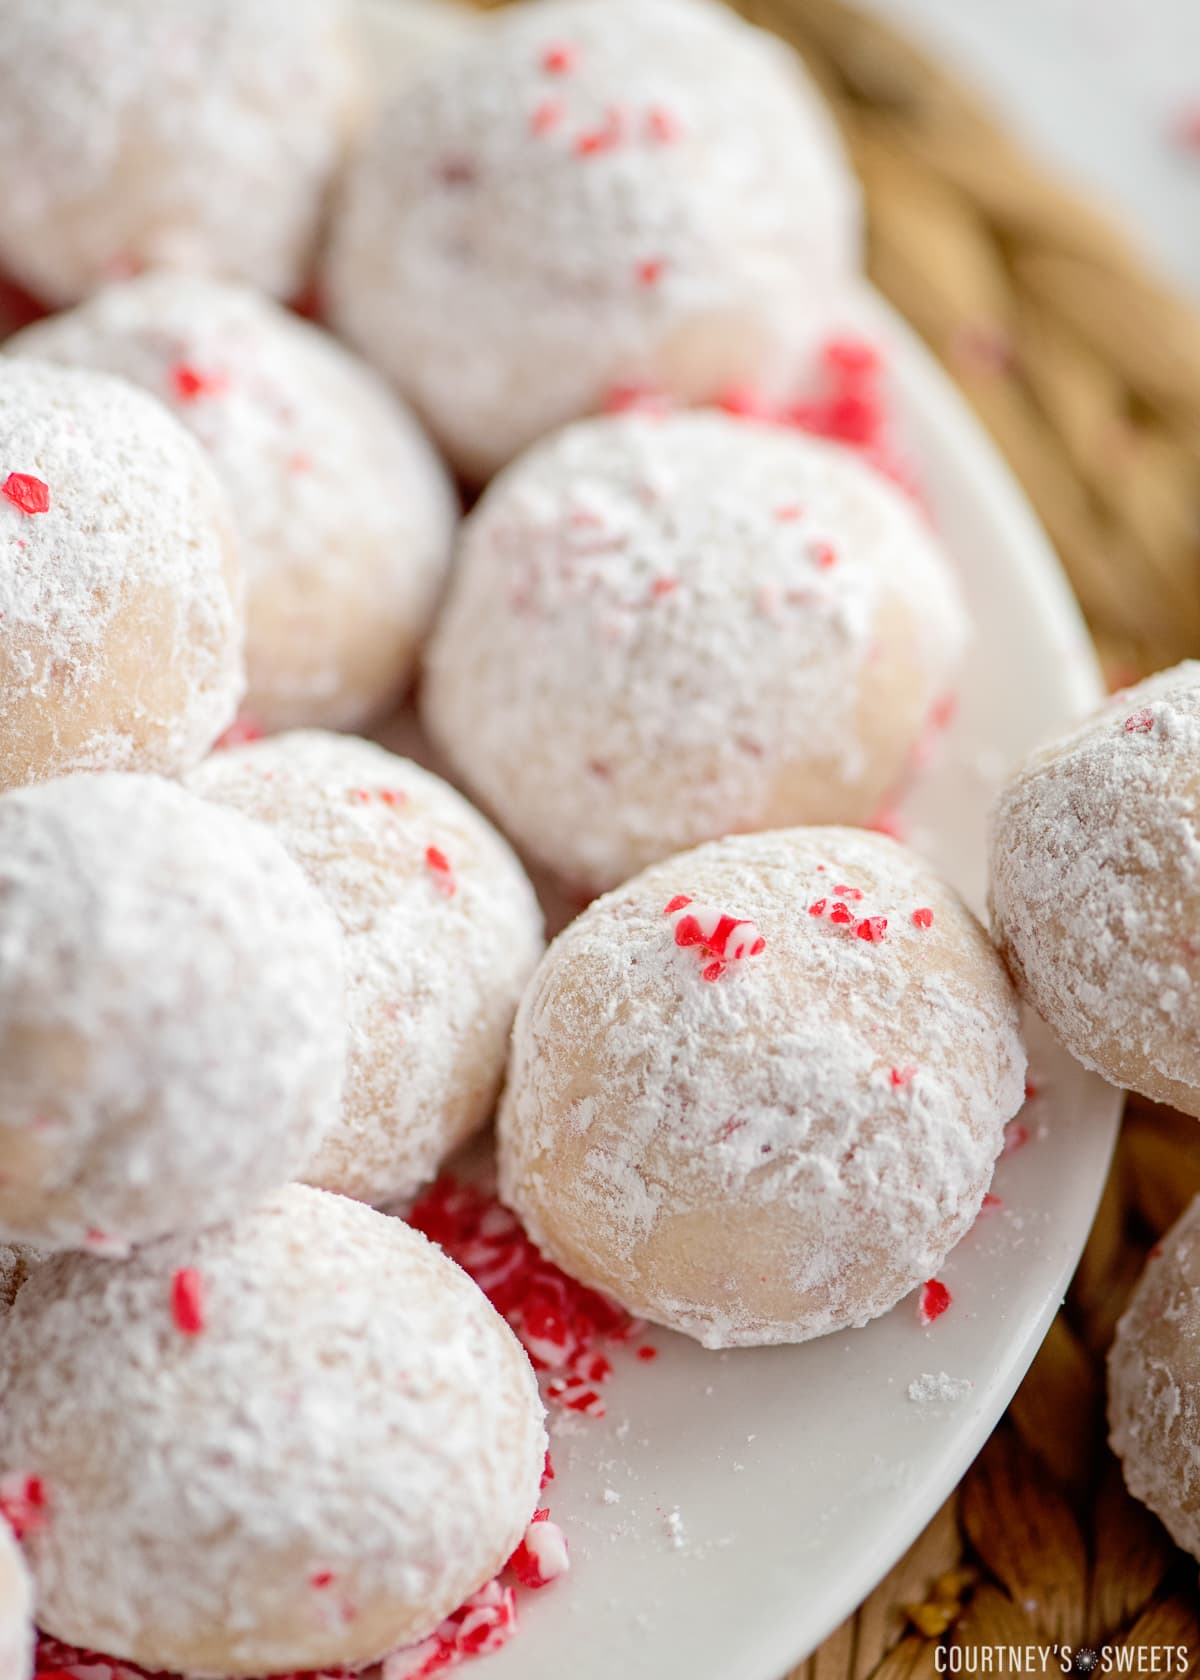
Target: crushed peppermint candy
[(922, 918), (1140, 722), (27, 493), (720, 939), (188, 383), (541, 1556), (23, 1503), (438, 865), (933, 1301), (187, 1301), (872, 929), (563, 1326)]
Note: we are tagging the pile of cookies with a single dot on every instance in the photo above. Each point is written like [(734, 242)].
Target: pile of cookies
[(260, 977)]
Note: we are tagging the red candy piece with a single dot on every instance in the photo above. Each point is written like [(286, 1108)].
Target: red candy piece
[(27, 493), (854, 893), (647, 1352), (841, 915), (679, 902), (1140, 722), (851, 358), (1016, 1136), (23, 1503), (188, 383), (187, 1301), (824, 555), (438, 865), (547, 116), (817, 908), (650, 272), (547, 1470), (559, 60), (596, 140), (872, 929), (664, 586), (922, 918), (989, 1202), (661, 125), (903, 1076), (323, 1578), (541, 1556), (934, 1300)]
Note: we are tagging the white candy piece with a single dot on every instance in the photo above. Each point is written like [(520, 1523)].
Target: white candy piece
[(334, 1453), (661, 630), (199, 136), (172, 1033), (442, 932), (120, 591), (583, 196), (344, 511), (773, 1148), (1095, 887)]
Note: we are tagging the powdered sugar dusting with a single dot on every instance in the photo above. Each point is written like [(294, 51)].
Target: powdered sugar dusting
[(735, 1160), (140, 135), (297, 1436), (16, 1610), (344, 510), (1154, 1379), (764, 688), (171, 1035), (938, 1388), (434, 975), (120, 605), (584, 196), (1095, 867)]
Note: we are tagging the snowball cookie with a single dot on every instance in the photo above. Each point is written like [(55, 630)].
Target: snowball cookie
[(318, 1436), (660, 631), (16, 1610), (171, 1012), (1154, 1384), (442, 932), (757, 1092), (1095, 887), (120, 592), (344, 510), (198, 136), (584, 196)]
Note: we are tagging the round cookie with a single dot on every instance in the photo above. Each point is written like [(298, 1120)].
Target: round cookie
[(583, 197), (344, 511), (756, 1093), (16, 1610), (1095, 887), (318, 1439), (1154, 1384), (664, 630), (136, 135), (172, 1033), (442, 932), (120, 593)]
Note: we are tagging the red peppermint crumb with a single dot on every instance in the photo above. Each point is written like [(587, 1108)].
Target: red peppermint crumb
[(853, 893), (189, 383), (546, 116), (27, 493), (679, 902), (746, 403), (664, 586), (596, 140), (241, 731), (559, 60), (851, 359), (990, 1202), (923, 918), (547, 1471), (647, 1352), (934, 1300), (23, 1503), (650, 272), (824, 555), (788, 512), (438, 865), (903, 1076), (817, 907), (1140, 722), (187, 1301), (872, 929), (323, 1578), (1016, 1136), (482, 1625), (1032, 1089), (541, 1556), (661, 125), (561, 1324), (841, 915)]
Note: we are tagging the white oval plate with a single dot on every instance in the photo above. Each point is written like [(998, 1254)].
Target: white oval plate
[(732, 1508)]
